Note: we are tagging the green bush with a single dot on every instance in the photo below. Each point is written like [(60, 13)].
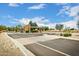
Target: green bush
[(61, 34), (27, 31), (66, 34), (34, 31)]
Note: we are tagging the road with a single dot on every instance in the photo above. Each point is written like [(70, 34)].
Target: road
[(56, 47)]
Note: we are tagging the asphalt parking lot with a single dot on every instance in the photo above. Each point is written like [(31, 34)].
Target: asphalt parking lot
[(54, 47), (39, 50), (22, 35), (66, 46)]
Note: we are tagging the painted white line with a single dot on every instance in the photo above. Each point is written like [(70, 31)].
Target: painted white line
[(53, 49), (70, 38), (21, 47)]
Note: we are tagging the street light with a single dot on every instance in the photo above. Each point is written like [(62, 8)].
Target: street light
[(29, 28)]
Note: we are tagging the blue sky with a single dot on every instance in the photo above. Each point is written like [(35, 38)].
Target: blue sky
[(44, 14)]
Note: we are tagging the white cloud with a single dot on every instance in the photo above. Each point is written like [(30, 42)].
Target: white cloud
[(24, 21), (7, 16), (71, 12), (41, 21), (61, 3), (74, 11), (39, 6), (13, 4), (64, 10), (71, 24)]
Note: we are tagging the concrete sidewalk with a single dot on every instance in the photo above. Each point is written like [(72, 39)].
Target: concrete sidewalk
[(31, 40), (10, 47), (43, 38)]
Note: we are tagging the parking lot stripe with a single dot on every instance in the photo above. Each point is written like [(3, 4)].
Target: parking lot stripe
[(53, 49)]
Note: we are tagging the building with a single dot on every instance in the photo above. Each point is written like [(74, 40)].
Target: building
[(26, 28), (29, 28)]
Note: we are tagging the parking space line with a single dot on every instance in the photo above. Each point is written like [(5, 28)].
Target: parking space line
[(53, 49)]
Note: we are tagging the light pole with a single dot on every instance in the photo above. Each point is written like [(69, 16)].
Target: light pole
[(29, 28)]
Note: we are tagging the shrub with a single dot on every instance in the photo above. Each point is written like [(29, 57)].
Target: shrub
[(27, 31), (66, 34), (61, 34)]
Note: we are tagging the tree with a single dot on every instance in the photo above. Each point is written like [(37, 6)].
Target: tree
[(17, 28), (2, 27), (72, 29), (59, 26), (78, 24), (30, 23), (45, 28), (34, 26), (51, 29), (9, 28)]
